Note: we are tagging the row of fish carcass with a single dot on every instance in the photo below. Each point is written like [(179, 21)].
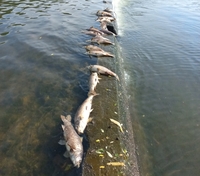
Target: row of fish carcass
[(72, 140)]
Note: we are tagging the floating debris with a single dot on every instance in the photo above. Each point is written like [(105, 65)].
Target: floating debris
[(97, 140), (102, 130), (109, 154), (115, 164), (117, 123), (101, 167), (100, 151)]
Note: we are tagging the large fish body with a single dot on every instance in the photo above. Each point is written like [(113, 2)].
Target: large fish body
[(72, 141), (82, 114), (101, 40), (103, 13), (97, 53), (95, 30), (93, 81), (106, 19), (92, 33), (102, 70), (93, 48)]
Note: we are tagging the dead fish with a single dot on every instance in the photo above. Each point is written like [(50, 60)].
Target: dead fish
[(82, 115), (93, 48), (102, 70), (94, 80), (104, 25), (107, 10), (95, 30), (72, 141), (101, 40), (103, 13), (93, 33), (105, 18), (105, 31), (99, 53)]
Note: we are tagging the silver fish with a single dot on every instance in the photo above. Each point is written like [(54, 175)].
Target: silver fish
[(102, 70), (106, 19), (93, 81), (101, 40), (82, 115), (95, 30), (93, 48), (97, 53), (72, 141), (106, 31), (103, 13), (93, 33)]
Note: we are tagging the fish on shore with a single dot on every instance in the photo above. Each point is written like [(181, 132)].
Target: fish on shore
[(82, 115), (101, 40), (93, 81), (72, 141), (97, 53), (102, 70)]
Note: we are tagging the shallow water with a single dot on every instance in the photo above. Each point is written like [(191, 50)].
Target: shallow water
[(44, 75)]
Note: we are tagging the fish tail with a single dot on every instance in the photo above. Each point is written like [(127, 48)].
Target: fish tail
[(109, 55), (92, 92), (63, 118), (117, 77)]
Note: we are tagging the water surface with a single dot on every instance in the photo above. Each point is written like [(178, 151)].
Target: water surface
[(160, 55)]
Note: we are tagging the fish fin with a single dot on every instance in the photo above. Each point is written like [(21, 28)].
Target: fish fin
[(62, 117), (117, 78), (108, 54), (89, 119), (91, 110), (69, 118), (61, 142), (66, 154), (98, 72), (63, 127)]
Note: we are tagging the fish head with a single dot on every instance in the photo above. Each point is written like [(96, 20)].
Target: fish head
[(80, 128), (76, 157)]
